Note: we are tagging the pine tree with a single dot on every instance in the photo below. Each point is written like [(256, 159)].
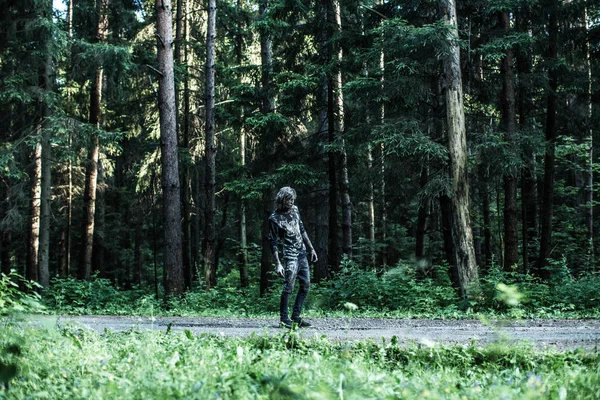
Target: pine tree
[(169, 158)]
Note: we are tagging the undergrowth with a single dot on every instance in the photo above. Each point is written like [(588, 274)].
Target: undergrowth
[(397, 292), (69, 362)]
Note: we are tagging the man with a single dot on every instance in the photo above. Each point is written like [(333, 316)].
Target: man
[(286, 226)]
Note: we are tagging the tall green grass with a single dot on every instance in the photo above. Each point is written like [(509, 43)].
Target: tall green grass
[(71, 363)]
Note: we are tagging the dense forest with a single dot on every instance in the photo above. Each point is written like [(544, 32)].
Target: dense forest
[(143, 142)]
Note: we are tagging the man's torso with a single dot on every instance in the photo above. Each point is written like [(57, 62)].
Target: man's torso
[(290, 232)]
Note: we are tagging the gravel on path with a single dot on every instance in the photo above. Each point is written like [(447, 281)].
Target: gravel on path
[(541, 333)]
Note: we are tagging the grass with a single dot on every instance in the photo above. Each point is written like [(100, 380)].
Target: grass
[(71, 363)]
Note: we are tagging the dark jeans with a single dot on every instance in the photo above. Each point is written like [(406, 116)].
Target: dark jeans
[(294, 268)]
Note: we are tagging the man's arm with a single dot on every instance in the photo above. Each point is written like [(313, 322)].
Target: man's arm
[(309, 247), (273, 235), (308, 244)]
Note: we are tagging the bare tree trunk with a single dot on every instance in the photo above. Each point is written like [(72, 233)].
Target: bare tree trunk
[(267, 106), (371, 187), (98, 252), (589, 173), (210, 149), (340, 130), (65, 268), (509, 124), (138, 261), (333, 245), (422, 214), (446, 225), (89, 196), (333, 253), (181, 33), (173, 253), (32, 266), (321, 244), (487, 229), (196, 227), (371, 207), (528, 180), (549, 157), (89, 203), (243, 254), (461, 223), (382, 193), (242, 225), (46, 166)]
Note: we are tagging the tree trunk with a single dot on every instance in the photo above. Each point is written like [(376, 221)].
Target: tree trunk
[(265, 260), (487, 220), (589, 172), (371, 208), (321, 197), (181, 35), (91, 180), (98, 252), (270, 139), (461, 224), (446, 225), (138, 260), (210, 150), (32, 271), (333, 253), (509, 125), (91, 176), (549, 157), (243, 252), (333, 240), (46, 166), (340, 130), (422, 215), (381, 147), (169, 159), (220, 243), (528, 180), (197, 196)]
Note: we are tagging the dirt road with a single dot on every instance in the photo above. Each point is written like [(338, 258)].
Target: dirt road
[(559, 334)]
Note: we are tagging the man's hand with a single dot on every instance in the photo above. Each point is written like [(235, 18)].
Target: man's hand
[(313, 256), (279, 270)]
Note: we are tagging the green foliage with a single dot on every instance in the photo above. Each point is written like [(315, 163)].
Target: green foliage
[(564, 292), (74, 363), (97, 296), (396, 289), (406, 290), (14, 302), (17, 300)]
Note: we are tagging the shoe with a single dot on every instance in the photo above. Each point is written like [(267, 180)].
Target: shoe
[(287, 324), (303, 324)]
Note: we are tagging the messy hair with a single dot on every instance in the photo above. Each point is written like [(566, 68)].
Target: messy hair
[(284, 194)]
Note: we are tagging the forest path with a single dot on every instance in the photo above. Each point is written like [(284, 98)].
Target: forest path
[(542, 333)]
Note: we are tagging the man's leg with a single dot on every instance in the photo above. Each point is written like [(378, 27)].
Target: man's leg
[(291, 271), (304, 278)]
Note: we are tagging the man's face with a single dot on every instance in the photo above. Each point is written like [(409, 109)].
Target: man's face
[(288, 203)]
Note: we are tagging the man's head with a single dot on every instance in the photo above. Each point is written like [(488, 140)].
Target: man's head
[(285, 198)]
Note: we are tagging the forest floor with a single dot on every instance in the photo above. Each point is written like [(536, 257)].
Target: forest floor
[(541, 333)]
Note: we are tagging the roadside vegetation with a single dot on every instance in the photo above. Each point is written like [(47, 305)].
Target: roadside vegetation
[(77, 364), (403, 291), (60, 362)]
